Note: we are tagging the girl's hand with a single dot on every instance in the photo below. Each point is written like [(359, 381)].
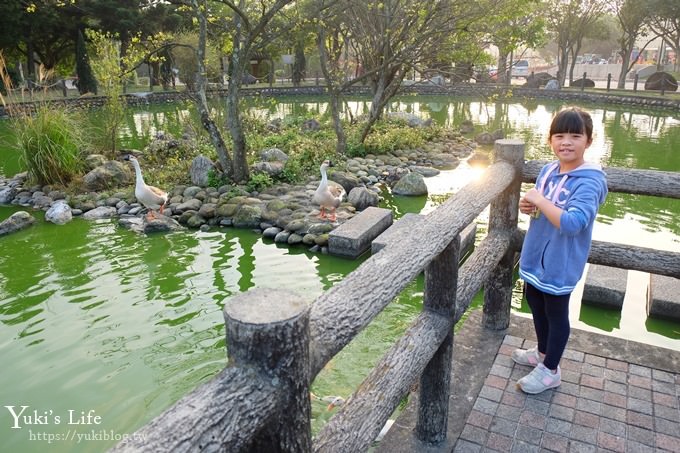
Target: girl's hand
[(533, 196), (526, 207)]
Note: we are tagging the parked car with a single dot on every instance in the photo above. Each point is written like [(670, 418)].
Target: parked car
[(520, 68)]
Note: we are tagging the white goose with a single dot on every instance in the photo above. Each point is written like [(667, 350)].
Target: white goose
[(151, 197), (337, 401), (328, 196)]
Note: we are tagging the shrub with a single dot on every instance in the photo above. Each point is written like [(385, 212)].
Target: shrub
[(388, 136), (50, 143), (258, 182), (216, 179), (305, 151)]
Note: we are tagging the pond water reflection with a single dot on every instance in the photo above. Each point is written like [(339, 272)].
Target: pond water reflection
[(96, 317)]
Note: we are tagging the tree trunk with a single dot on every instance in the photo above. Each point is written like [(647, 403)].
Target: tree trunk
[(236, 69), (341, 145), (501, 67), (240, 166), (625, 61), (383, 93), (572, 63), (334, 92), (627, 45), (201, 99), (376, 109), (562, 65), (30, 62), (300, 64)]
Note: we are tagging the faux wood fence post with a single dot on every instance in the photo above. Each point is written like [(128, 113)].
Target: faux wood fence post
[(503, 216), (269, 329), (583, 81), (441, 284)]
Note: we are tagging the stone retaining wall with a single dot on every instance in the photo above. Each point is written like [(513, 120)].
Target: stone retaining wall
[(477, 90)]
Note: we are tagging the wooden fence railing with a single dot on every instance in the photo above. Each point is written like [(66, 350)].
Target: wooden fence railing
[(278, 342)]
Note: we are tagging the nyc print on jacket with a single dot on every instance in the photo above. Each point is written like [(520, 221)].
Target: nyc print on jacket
[(553, 259)]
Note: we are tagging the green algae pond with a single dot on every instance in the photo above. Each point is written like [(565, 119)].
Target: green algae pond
[(102, 329)]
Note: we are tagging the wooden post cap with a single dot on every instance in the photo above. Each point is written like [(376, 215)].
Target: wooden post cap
[(264, 306)]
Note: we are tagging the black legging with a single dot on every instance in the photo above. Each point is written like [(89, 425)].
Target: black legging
[(551, 321)]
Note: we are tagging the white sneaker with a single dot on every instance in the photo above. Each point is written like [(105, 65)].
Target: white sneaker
[(529, 357), (540, 379)]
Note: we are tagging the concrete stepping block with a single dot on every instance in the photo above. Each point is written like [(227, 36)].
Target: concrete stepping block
[(408, 222), (354, 237), (402, 226), (605, 286), (663, 297)]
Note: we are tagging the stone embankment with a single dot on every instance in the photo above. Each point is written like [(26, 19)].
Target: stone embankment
[(284, 212)]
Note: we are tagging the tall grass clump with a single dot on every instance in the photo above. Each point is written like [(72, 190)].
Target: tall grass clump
[(50, 143)]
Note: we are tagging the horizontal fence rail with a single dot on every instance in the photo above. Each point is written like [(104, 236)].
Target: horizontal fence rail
[(363, 415), (346, 308), (210, 418), (627, 180), (260, 402), (632, 257)]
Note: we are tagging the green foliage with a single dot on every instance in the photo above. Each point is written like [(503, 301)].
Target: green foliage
[(50, 143), (110, 69), (170, 159), (356, 149), (9, 77), (292, 171), (305, 150), (216, 179), (258, 182), (184, 59), (390, 135)]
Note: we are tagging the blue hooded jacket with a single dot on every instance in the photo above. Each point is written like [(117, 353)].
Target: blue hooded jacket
[(553, 259)]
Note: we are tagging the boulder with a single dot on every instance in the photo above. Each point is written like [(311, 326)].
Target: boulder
[(17, 221), (192, 204), (101, 212), (111, 174), (410, 119), (552, 85), (200, 170), (361, 198), (7, 194), (427, 172), (247, 216), (143, 225), (467, 127), (272, 161), (273, 155), (93, 161), (273, 169), (585, 83), (347, 180), (59, 213), (485, 138), (660, 80), (411, 184), (310, 125), (274, 125), (271, 232), (538, 80)]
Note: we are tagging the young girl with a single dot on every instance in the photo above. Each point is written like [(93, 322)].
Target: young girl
[(563, 204)]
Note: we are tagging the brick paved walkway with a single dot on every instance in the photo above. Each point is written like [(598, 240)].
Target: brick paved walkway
[(602, 405)]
